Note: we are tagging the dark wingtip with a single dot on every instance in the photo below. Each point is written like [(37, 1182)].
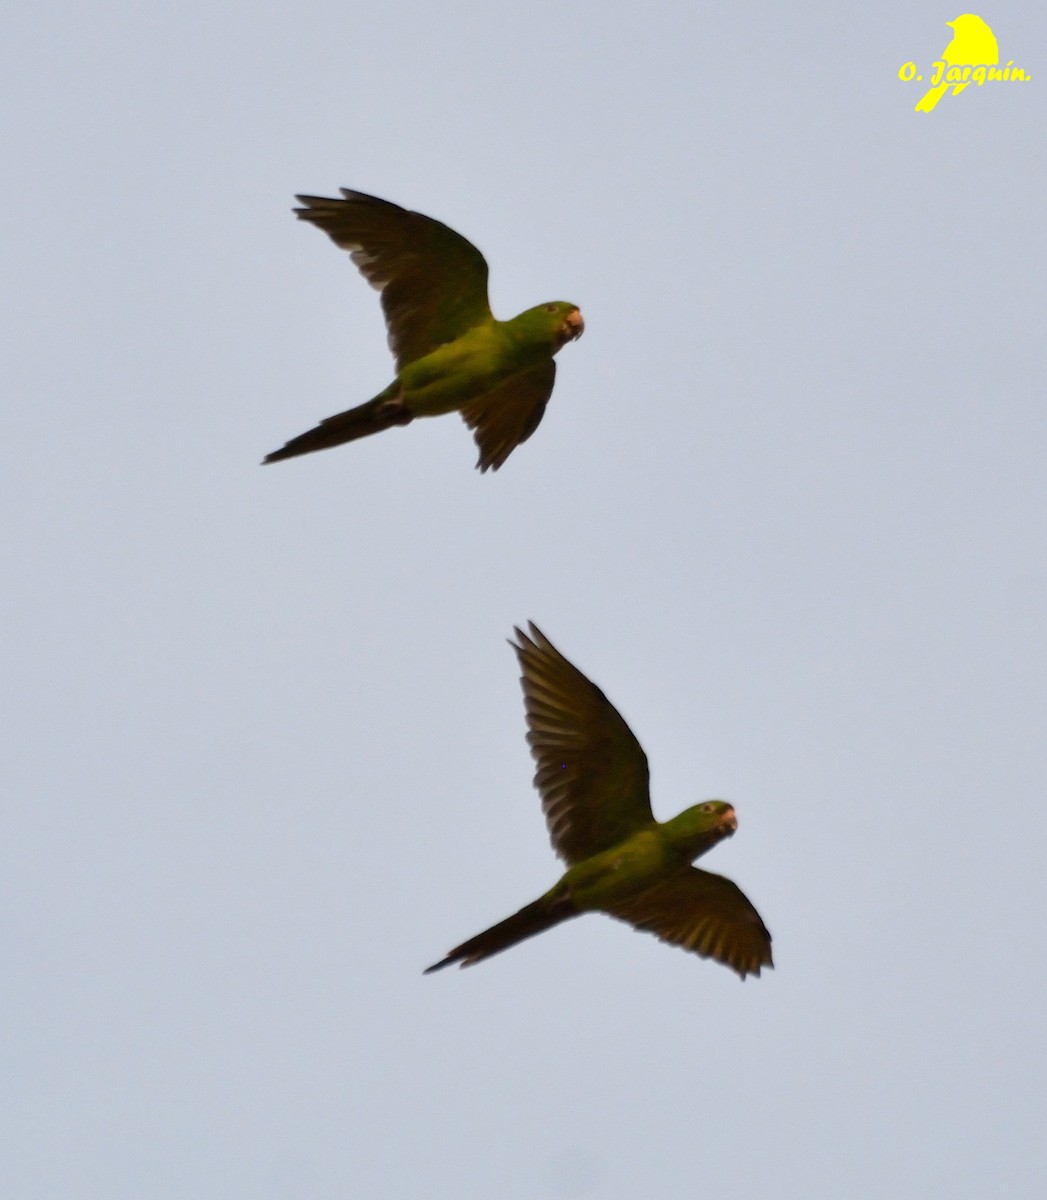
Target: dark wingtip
[(308, 203), (348, 194), (487, 463), (527, 640), (533, 638), (444, 962), (765, 964)]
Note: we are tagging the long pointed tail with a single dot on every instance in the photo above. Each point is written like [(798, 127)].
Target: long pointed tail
[(384, 411), (537, 917)]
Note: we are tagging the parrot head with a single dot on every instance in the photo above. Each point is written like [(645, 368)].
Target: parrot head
[(700, 827), (558, 323)]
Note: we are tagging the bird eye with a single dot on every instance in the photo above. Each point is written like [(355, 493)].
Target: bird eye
[(550, 308), (709, 806)]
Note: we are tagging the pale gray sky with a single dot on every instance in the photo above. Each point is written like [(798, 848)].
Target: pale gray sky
[(266, 756)]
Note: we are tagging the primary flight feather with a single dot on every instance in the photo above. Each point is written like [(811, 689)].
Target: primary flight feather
[(593, 781), (451, 353)]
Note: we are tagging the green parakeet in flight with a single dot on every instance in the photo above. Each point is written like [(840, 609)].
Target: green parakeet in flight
[(593, 780), (451, 354)]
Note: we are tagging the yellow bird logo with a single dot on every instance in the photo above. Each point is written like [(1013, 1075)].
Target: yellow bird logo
[(973, 45)]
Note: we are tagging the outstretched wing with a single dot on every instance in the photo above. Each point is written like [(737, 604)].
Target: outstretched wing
[(508, 414), (704, 913), (592, 772), (433, 282)]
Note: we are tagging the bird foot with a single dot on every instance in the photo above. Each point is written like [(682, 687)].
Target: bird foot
[(395, 412)]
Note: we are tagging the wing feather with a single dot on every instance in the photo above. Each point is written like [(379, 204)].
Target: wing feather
[(704, 913), (432, 280), (591, 771), (508, 414)]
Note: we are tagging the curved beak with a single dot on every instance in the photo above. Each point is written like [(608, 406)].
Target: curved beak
[(573, 325)]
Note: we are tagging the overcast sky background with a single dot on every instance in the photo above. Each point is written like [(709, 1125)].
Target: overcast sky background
[(266, 753)]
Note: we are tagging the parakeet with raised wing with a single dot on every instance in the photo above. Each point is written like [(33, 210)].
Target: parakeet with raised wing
[(592, 777), (451, 354)]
